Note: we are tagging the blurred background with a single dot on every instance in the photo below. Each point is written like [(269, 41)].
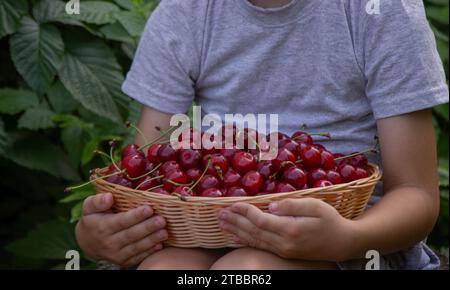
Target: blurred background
[(60, 99)]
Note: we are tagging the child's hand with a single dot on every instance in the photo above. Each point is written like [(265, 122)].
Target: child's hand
[(125, 238), (298, 229)]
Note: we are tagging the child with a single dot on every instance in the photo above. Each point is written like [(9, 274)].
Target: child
[(353, 68)]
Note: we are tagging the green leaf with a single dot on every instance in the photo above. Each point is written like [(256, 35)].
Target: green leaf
[(91, 146), (75, 212), (36, 118), (3, 137), (48, 10), (92, 75), (133, 22), (37, 51), (96, 12), (37, 153), (442, 111), (124, 4), (10, 13), (116, 32), (50, 240), (60, 99), (79, 194), (438, 14), (13, 101)]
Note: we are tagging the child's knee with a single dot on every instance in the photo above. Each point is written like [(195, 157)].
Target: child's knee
[(242, 259)]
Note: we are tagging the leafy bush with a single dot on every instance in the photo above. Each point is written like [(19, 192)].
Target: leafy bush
[(60, 98)]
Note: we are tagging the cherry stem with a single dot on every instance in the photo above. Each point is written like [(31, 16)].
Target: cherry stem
[(298, 161), (148, 180), (178, 184), (372, 150), (144, 175), (155, 187), (111, 148), (68, 189), (163, 134), (327, 135), (101, 153), (128, 124), (201, 176), (219, 172)]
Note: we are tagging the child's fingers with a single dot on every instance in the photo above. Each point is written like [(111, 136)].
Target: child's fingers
[(97, 203), (125, 220), (140, 230), (145, 244)]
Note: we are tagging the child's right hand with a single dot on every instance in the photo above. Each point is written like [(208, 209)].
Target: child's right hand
[(125, 238)]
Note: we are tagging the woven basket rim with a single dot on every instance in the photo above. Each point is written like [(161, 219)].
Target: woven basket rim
[(368, 181)]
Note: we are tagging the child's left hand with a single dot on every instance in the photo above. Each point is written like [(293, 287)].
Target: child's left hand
[(295, 228)]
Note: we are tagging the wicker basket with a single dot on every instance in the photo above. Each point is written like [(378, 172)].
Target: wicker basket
[(193, 223)]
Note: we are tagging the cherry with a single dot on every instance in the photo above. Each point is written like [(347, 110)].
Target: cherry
[(361, 173), (229, 153), (326, 160), (168, 166), (295, 177), (322, 183), (208, 181), (173, 179), (184, 191), (152, 153), (134, 165), (252, 182), (302, 137), (284, 159), (211, 192), (359, 160), (120, 180), (212, 150), (243, 162), (315, 175), (189, 158), (149, 166), (131, 149), (146, 183), (270, 186), (334, 177), (167, 153), (311, 157), (290, 145), (278, 135), (265, 168), (193, 134), (339, 162), (218, 165), (319, 147), (347, 172), (231, 178), (236, 191), (284, 187), (161, 191), (228, 132), (193, 174)]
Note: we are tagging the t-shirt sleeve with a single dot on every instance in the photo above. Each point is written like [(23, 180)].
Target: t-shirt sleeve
[(403, 70), (165, 65)]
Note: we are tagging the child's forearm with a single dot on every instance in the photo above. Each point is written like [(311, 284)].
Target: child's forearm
[(403, 217), (149, 121)]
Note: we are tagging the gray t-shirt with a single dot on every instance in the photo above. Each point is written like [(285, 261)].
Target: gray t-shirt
[(326, 63)]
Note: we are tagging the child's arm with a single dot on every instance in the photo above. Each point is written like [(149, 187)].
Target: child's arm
[(127, 238), (311, 229)]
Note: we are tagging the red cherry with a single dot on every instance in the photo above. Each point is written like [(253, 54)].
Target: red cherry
[(207, 136), (190, 135), (218, 165), (322, 183), (340, 161), (211, 192), (284, 187), (361, 173), (302, 137), (315, 175), (146, 183), (290, 145), (278, 135), (311, 157), (285, 158), (265, 168), (295, 177), (149, 166), (334, 177), (208, 181), (193, 174), (270, 186), (161, 191), (231, 178), (189, 158), (167, 153), (168, 166), (359, 160), (131, 149), (173, 178), (152, 153), (184, 191), (326, 160), (319, 147), (229, 153), (252, 182), (228, 132), (134, 165), (243, 162), (236, 191), (120, 180), (347, 172)]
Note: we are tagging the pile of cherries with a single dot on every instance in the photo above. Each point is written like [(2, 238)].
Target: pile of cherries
[(299, 164)]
